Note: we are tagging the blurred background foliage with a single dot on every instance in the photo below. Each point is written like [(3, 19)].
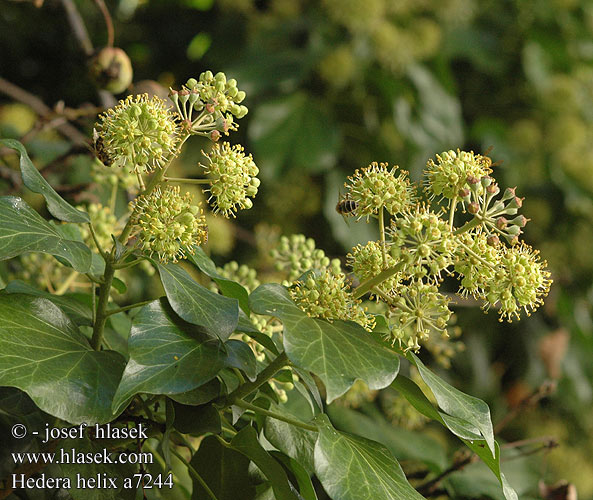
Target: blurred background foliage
[(333, 85)]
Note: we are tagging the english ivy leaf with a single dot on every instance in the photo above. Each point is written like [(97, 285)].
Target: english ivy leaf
[(403, 443), (224, 470), (23, 230), (240, 355), (45, 355), (227, 287), (350, 467), (457, 404), (246, 442), (217, 314), (339, 352), (294, 131), (302, 477), (200, 395), (167, 355), (414, 395), (76, 310), (56, 205), (196, 420)]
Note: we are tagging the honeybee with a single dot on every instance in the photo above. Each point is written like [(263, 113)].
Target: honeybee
[(99, 149), (346, 206)]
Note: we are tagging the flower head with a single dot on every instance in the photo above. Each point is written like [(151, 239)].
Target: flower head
[(140, 134), (520, 282), (422, 241), (327, 295), (167, 223), (366, 262), (417, 313), (232, 177), (449, 174), (377, 186), (476, 262)]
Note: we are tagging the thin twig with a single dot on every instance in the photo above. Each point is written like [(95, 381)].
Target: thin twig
[(78, 27), (108, 21)]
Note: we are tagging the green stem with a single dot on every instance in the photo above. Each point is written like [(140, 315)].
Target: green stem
[(126, 265), (194, 473), (277, 416), (267, 373), (475, 222), (366, 286), (104, 289), (384, 296), (382, 234), (188, 181), (127, 308), (452, 214), (113, 198), (477, 257), (94, 235)]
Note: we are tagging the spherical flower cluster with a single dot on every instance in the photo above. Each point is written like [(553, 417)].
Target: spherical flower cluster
[(357, 395), (519, 282), (297, 254), (241, 274), (217, 94), (327, 295), (376, 186), (140, 134), (232, 178), (449, 174), (475, 262), (419, 311), (422, 241), (366, 261), (104, 175), (167, 223)]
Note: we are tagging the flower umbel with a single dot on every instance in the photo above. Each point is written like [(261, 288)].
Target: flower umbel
[(232, 178), (377, 186), (167, 223), (140, 134)]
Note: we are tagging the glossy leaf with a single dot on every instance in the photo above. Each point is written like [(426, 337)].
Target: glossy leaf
[(294, 131), (224, 470), (198, 305), (240, 355), (167, 355), (200, 395), (23, 230), (227, 287), (339, 352), (79, 312), (56, 205), (350, 467), (44, 354), (457, 404), (403, 443), (246, 442), (196, 420), (302, 477)]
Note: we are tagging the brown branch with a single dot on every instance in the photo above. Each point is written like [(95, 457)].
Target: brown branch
[(78, 27), (428, 488), (37, 105), (108, 21)]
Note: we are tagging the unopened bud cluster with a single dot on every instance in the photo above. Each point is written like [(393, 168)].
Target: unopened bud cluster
[(297, 254), (139, 134), (233, 178), (168, 224)]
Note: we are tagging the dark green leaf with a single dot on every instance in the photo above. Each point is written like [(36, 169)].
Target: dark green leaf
[(197, 419), (339, 352), (294, 131), (302, 477), (246, 442), (44, 354), (457, 404), (167, 355), (198, 305), (23, 230), (227, 287), (224, 470), (240, 355), (199, 395), (56, 205), (350, 467), (403, 443), (119, 285), (77, 311)]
